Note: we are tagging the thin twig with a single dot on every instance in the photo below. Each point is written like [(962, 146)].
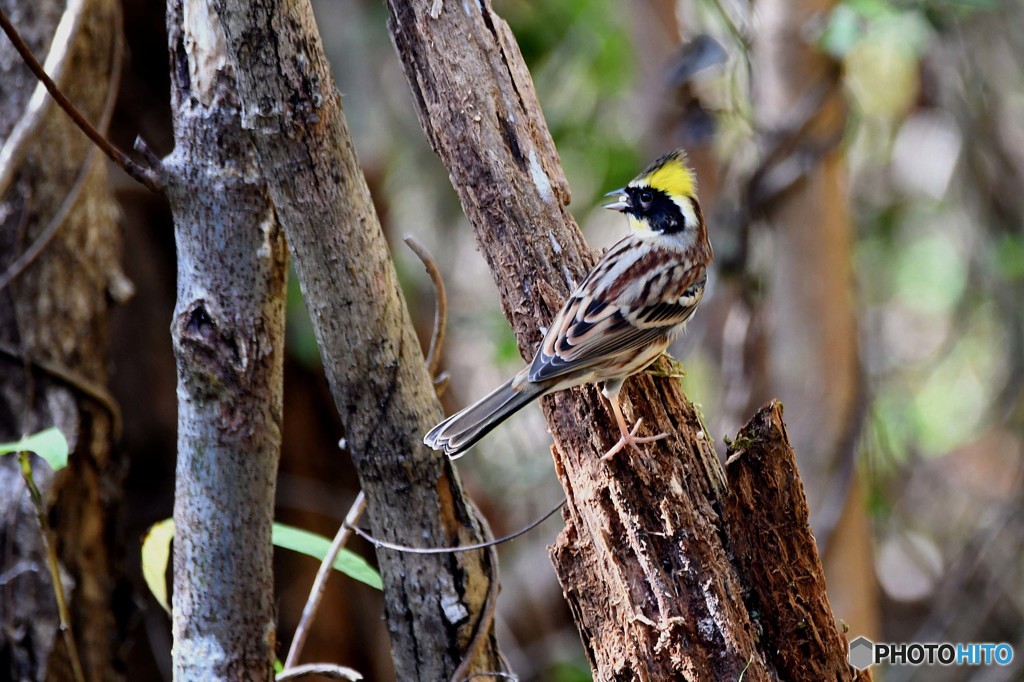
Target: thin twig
[(47, 235), (328, 670), (52, 563), (840, 483), (147, 176), (320, 583), (378, 543), (74, 380), (16, 145), (441, 310)]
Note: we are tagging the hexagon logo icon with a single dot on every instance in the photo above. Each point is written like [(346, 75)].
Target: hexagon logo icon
[(862, 653)]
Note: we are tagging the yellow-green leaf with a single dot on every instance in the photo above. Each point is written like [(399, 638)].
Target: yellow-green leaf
[(317, 546), (156, 552), (50, 444)]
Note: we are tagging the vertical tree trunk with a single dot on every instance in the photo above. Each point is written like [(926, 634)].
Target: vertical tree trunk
[(645, 558), (228, 333), (439, 608), (53, 352), (812, 358)]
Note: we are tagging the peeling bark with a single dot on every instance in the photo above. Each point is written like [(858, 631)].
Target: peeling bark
[(435, 605), (770, 538), (228, 333), (643, 559), (54, 361)]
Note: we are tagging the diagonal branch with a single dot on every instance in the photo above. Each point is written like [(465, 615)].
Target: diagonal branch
[(370, 353), (16, 144), (146, 176), (316, 594), (642, 560), (10, 156), (633, 525)]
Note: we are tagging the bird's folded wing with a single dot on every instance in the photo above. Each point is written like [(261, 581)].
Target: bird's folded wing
[(590, 331)]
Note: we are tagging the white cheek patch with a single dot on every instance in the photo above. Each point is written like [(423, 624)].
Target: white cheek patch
[(686, 208)]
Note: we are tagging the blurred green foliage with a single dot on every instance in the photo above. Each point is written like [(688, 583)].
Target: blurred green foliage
[(299, 337), (581, 57), (570, 672), (1008, 257), (918, 262)]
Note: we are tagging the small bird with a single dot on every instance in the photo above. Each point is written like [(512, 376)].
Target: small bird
[(623, 316)]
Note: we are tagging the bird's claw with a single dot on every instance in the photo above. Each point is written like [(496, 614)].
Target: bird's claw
[(630, 439)]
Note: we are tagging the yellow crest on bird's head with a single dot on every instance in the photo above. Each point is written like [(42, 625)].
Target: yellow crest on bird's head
[(670, 174)]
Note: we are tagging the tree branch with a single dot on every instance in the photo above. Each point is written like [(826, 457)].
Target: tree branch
[(10, 156), (642, 559), (370, 353), (16, 143), (146, 176), (770, 537), (345, 531), (441, 308), (228, 334)]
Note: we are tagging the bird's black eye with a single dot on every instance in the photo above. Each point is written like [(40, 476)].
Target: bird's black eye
[(646, 197)]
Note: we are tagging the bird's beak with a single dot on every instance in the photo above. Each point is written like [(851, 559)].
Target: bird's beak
[(622, 204)]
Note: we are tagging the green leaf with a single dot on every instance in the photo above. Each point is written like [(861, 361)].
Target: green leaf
[(156, 552), (50, 444), (317, 546)]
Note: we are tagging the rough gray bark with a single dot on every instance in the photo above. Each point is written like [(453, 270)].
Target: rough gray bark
[(437, 606), (228, 333), (53, 355), (643, 560)]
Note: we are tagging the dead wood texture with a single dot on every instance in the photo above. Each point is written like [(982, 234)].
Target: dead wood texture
[(54, 352), (228, 334), (774, 550), (643, 559), (435, 605)]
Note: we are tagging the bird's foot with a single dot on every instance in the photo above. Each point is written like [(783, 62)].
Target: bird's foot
[(631, 440)]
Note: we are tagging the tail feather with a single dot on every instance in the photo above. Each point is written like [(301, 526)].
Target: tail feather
[(462, 430)]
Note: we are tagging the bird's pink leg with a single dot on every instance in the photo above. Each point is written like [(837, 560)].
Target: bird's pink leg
[(629, 437)]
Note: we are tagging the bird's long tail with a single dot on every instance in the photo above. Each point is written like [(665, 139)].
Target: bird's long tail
[(459, 432)]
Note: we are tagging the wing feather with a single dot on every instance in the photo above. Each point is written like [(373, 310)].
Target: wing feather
[(624, 304)]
